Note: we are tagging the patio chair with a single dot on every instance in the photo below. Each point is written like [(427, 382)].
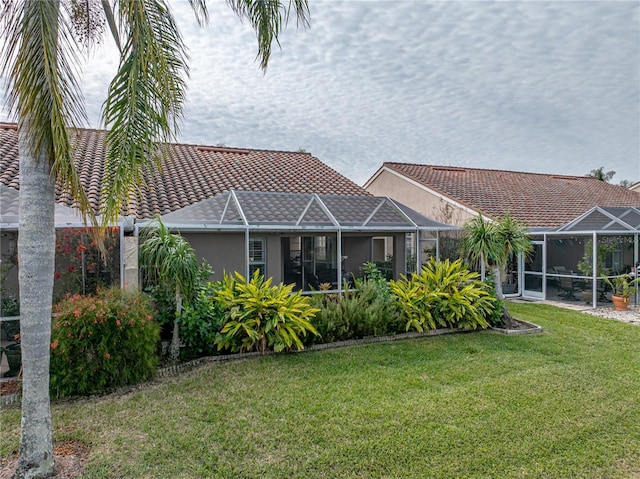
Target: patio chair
[(567, 288)]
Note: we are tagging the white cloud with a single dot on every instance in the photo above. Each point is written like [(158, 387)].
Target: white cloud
[(536, 86)]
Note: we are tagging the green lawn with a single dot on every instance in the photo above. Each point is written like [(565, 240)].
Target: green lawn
[(562, 404)]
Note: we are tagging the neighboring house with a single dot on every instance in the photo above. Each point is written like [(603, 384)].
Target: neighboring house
[(566, 215), (265, 190), (537, 200), (635, 187)]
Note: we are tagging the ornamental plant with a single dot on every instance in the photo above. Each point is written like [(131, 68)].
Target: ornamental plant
[(200, 320), (444, 294), (102, 342), (80, 266), (369, 310), (260, 316)]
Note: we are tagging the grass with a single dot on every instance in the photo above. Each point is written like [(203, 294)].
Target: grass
[(562, 404)]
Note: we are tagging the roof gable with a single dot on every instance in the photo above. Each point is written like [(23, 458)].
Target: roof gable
[(538, 200), (191, 173)]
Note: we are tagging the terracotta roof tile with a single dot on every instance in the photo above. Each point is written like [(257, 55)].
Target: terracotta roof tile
[(538, 200), (190, 173)]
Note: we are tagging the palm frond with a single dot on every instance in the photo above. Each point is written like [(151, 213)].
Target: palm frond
[(41, 64), (267, 18), (145, 98), (199, 8)]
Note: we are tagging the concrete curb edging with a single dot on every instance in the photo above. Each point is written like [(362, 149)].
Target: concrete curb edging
[(533, 329), (180, 368)]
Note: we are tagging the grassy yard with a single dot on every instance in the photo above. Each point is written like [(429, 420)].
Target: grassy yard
[(562, 404)]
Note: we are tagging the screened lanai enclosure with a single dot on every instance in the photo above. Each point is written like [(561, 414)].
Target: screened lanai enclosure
[(561, 266), (313, 241)]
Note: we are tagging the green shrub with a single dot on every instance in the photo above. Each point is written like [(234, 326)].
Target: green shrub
[(164, 304), (444, 294), (200, 321), (368, 311), (259, 316), (102, 342), (9, 305)]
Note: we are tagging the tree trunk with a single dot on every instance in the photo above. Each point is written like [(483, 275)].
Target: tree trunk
[(174, 348), (497, 278), (36, 255)]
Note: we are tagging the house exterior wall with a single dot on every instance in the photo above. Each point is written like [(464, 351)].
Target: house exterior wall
[(225, 252), (358, 251), (418, 198)]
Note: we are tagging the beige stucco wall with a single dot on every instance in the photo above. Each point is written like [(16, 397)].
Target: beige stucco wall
[(421, 200)]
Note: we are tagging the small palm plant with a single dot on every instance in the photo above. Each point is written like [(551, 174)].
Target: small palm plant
[(169, 260), (494, 243)]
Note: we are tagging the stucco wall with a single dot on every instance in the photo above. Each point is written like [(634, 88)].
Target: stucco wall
[(226, 252), (424, 202), (223, 251), (358, 251)]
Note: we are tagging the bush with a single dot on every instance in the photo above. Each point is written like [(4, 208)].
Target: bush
[(102, 342), (259, 316), (200, 321), (368, 311), (164, 304), (444, 294)]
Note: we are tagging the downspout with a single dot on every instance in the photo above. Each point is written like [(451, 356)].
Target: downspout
[(438, 244)]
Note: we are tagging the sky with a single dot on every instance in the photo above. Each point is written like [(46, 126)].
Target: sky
[(546, 87)]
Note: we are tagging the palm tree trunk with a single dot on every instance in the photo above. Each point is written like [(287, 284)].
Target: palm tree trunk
[(36, 253), (497, 277), (174, 348)]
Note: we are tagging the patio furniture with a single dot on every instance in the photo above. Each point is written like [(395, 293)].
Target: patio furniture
[(567, 287)]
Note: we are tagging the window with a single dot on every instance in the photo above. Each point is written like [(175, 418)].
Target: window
[(257, 256)]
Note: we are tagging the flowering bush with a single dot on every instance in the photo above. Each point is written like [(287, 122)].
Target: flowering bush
[(79, 265), (101, 342)]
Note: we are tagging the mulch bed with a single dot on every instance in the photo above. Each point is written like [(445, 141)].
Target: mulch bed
[(10, 386), (70, 461)]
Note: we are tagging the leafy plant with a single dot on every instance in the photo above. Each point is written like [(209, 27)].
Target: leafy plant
[(494, 243), (261, 316), (623, 286), (80, 268), (169, 261), (370, 310), (585, 265), (444, 294), (200, 321), (101, 342), (10, 306)]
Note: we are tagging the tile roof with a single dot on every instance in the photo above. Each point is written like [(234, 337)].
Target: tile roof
[(190, 173), (538, 200), (10, 204)]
